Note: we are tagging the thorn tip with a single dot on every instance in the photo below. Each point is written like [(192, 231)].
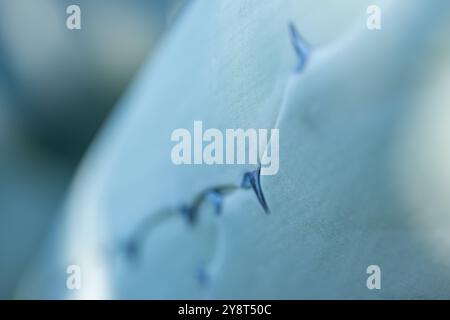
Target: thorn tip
[(252, 180), (301, 47)]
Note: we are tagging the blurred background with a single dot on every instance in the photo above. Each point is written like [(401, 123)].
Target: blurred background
[(56, 88)]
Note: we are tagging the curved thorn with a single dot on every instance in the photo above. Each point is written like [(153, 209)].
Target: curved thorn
[(301, 47), (131, 249), (201, 275), (216, 199), (189, 213), (252, 180)]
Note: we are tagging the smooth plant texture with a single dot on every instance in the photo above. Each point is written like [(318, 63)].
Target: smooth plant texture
[(338, 203)]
